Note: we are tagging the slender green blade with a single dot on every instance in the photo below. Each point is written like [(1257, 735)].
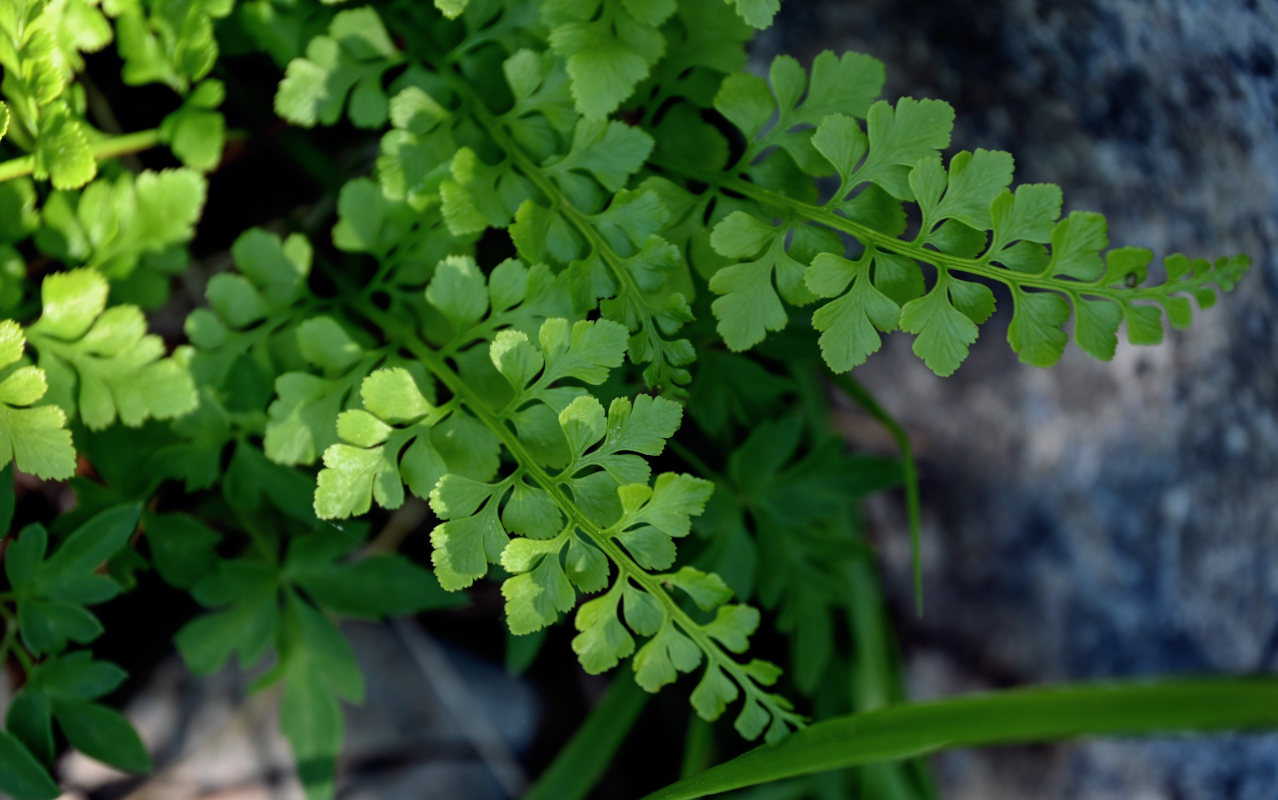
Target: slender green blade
[(1021, 715), (6, 497), (909, 468), (578, 766)]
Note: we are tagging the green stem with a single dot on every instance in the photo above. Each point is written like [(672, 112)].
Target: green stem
[(698, 746), (973, 266), (106, 148), (11, 644), (10, 633), (910, 474), (876, 683), (559, 201), (630, 570), (259, 540), (580, 764)]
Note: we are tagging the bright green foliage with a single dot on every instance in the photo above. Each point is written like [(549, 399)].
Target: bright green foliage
[(451, 8), (62, 151), (114, 226), (163, 41), (100, 362), (401, 436), (168, 41), (79, 26), (770, 114), (556, 558), (37, 56), (561, 198), (577, 504), (550, 191), (196, 132), (971, 225), (608, 46), (651, 517), (33, 438), (350, 61), (369, 463), (300, 420), (246, 310), (750, 305)]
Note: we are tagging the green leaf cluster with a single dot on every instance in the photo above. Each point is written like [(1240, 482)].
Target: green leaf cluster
[(523, 317), (101, 363), (34, 437), (265, 605), (349, 61), (49, 593)]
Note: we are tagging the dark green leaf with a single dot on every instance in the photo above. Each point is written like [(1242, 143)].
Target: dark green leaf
[(21, 775), (30, 718), (312, 722), (101, 733), (89, 546), (182, 548), (47, 625)]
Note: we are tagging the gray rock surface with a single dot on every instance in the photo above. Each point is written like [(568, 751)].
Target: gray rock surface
[(1096, 520), (436, 724)]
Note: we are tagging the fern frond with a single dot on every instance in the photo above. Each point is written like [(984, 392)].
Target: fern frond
[(101, 363), (971, 225), (578, 498)]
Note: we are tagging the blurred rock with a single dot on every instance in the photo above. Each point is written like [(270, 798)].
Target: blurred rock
[(436, 724), (1096, 520)]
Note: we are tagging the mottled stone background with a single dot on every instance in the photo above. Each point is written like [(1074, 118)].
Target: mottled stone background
[(1095, 520)]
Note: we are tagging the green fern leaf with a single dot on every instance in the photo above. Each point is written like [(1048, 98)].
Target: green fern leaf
[(349, 61), (101, 361), (608, 46), (115, 224), (784, 114), (34, 439), (971, 224)]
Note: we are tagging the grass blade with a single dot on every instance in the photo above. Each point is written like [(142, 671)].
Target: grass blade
[(588, 753), (910, 471), (1021, 715)]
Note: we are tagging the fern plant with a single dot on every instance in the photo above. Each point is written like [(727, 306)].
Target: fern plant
[(582, 297)]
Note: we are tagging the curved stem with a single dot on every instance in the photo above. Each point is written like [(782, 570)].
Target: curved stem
[(627, 567), (910, 473), (11, 644), (107, 148), (10, 633), (915, 250)]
